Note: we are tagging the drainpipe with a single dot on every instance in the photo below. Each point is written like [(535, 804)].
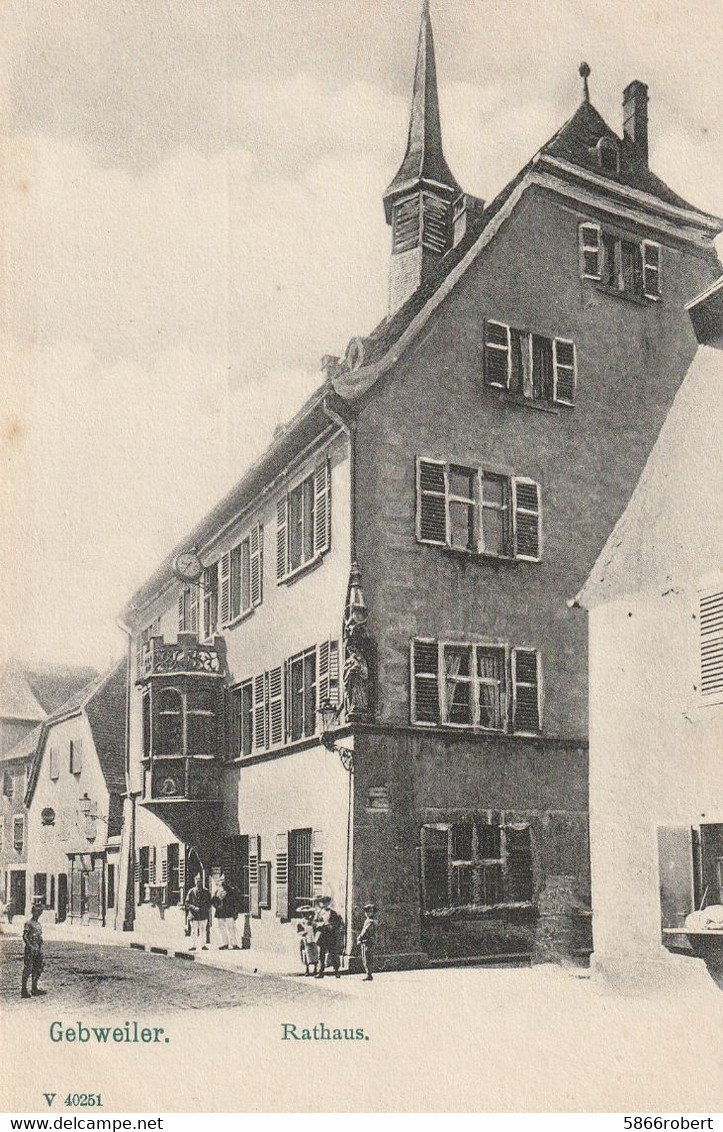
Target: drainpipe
[(128, 829), (350, 430)]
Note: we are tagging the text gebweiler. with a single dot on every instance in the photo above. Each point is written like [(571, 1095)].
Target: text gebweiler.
[(290, 1031), (127, 1032)]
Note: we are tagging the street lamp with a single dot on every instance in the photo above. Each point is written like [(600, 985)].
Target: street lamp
[(328, 717), (84, 805)]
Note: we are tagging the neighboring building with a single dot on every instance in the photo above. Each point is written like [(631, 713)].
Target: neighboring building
[(406, 548), (26, 697), (75, 801), (655, 601)]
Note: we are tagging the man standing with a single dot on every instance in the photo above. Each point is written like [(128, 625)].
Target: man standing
[(226, 905), (329, 936), (33, 961), (367, 940), (198, 907)]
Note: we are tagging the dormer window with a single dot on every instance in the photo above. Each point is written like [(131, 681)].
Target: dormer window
[(608, 155)]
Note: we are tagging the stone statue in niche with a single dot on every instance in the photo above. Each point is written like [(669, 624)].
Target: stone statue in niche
[(356, 650)]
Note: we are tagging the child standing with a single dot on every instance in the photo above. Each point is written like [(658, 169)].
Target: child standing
[(367, 940), (308, 947)]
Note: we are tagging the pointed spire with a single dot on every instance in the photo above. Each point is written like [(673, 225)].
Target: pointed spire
[(424, 159)]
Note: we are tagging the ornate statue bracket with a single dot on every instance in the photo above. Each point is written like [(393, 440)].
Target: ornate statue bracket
[(356, 651)]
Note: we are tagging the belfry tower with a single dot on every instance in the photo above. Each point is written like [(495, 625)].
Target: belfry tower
[(424, 200)]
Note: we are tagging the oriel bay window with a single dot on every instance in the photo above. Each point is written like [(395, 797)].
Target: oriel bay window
[(530, 365), (486, 686), (185, 721), (478, 511), (476, 863)]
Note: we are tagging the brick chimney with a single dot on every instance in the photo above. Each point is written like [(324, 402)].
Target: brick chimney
[(635, 117)]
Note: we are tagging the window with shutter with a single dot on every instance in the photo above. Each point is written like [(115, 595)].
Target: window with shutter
[(265, 884), (76, 756), (260, 712), (564, 366), (281, 539), (182, 872), (182, 612), (210, 600), (590, 251), (225, 589), (54, 763), (276, 707), (435, 853), (328, 673), (496, 522), (425, 681), (254, 863), (322, 507), (282, 876), (257, 565), (651, 269), (317, 863), (525, 691), (164, 864), (431, 502), (242, 719), (526, 498), (497, 354), (710, 621), (406, 218)]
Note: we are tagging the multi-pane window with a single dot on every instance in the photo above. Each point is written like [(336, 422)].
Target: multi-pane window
[(530, 365), (622, 263), (242, 719), (476, 864), (303, 522), (185, 722), (76, 756), (302, 694), (201, 720), (490, 687), (479, 511), (241, 577), (188, 610)]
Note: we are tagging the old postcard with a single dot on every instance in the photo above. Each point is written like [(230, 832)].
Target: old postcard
[(361, 687)]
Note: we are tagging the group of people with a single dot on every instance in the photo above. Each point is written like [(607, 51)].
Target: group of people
[(322, 938), (226, 904)]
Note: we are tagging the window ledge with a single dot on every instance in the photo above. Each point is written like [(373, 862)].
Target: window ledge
[(619, 293), (482, 557), (478, 911), (237, 620), (300, 571)]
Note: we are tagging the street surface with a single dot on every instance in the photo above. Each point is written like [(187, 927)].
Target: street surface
[(116, 979), (541, 1039)]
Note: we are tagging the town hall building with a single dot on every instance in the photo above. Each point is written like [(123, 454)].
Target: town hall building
[(359, 674)]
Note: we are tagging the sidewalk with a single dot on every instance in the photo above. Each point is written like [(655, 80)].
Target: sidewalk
[(252, 962)]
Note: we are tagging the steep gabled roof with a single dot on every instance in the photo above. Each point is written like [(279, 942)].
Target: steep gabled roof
[(104, 703), (26, 747), (32, 693), (17, 699)]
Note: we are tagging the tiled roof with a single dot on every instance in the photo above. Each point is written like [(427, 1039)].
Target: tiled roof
[(55, 683), (17, 699), (26, 747)]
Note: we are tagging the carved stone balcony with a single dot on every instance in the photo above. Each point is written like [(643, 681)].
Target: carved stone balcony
[(187, 657)]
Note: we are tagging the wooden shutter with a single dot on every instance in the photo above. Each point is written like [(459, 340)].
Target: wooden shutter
[(425, 681), (526, 518), (260, 712), (152, 856), (322, 674), (193, 609), (675, 874), (525, 691), (590, 251), (431, 502), (182, 612), (711, 646), (436, 850), (281, 538), (282, 876), (254, 855), (137, 878), (317, 863), (651, 269), (164, 864), (288, 717), (564, 368), (497, 355), (322, 507), (182, 871), (224, 587), (276, 706), (257, 564)]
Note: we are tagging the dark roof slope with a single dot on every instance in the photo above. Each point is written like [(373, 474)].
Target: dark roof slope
[(577, 141)]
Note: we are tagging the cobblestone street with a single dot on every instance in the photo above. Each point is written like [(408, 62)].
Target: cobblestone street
[(114, 978)]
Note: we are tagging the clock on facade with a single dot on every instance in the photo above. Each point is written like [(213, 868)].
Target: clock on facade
[(187, 566)]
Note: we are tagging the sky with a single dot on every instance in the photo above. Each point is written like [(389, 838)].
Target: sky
[(192, 217)]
